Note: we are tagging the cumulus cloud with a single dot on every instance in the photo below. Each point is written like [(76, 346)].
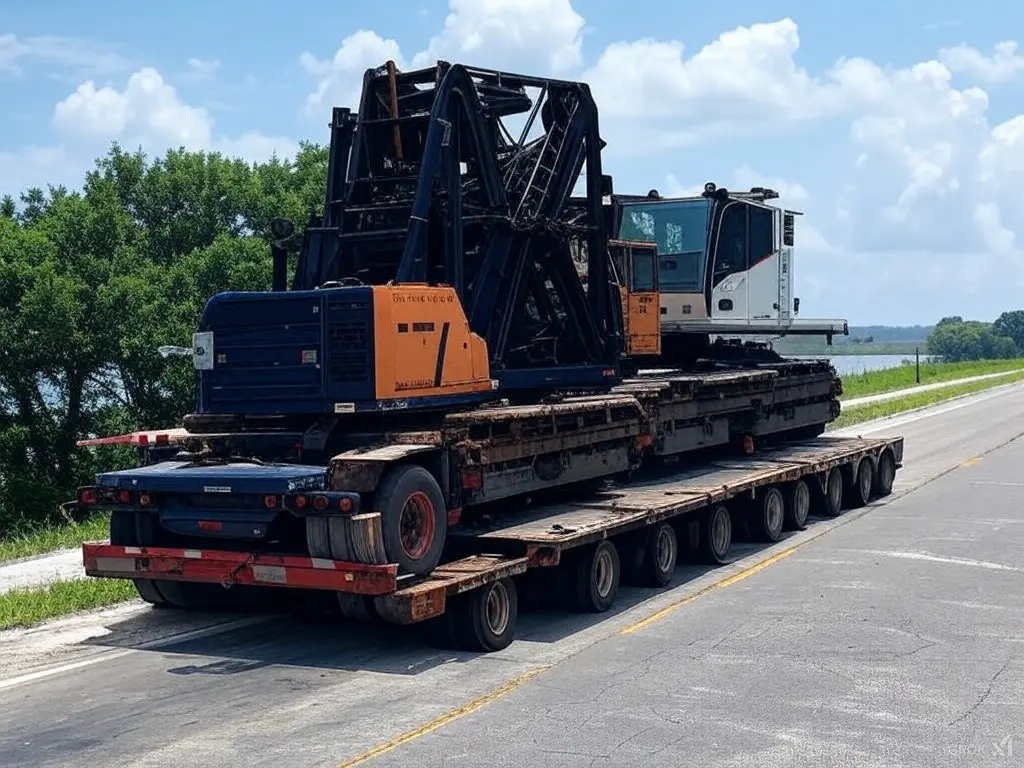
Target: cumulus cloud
[(527, 35), (748, 73), (340, 78), (147, 110), (1003, 64), (512, 34)]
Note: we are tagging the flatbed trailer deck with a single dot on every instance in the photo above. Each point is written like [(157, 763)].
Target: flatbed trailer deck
[(630, 533)]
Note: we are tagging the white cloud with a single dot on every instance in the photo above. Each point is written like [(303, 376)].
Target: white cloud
[(148, 110), (341, 77), (1004, 63), (536, 36), (748, 73), (203, 67), (543, 35), (83, 56)]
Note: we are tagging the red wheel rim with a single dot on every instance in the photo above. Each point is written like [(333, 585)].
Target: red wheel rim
[(417, 525)]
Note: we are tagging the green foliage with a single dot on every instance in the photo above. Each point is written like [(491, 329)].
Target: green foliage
[(93, 281), (1011, 324), (955, 339)]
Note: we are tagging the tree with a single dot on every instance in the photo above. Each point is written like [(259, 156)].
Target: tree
[(93, 281), (1011, 324), (955, 340)]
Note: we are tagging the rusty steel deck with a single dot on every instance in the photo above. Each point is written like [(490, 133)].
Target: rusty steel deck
[(607, 513)]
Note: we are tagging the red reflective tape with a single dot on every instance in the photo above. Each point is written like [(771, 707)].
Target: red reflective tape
[(137, 438)]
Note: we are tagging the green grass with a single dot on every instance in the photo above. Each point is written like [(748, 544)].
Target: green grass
[(885, 408), (54, 538), (32, 605), (901, 377)]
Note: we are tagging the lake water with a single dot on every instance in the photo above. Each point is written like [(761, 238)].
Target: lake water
[(847, 365)]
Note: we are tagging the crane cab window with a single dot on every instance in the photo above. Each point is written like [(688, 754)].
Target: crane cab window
[(643, 273), (679, 229), (746, 236), (634, 266)]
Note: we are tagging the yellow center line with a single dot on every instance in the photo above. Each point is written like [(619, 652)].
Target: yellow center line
[(728, 581), (444, 719)]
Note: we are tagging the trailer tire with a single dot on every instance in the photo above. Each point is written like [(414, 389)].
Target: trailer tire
[(414, 519), (318, 540), (831, 497), (484, 619), (358, 608), (769, 514), (660, 556), (885, 473), (798, 505), (716, 535), (124, 532), (860, 482), (598, 573)]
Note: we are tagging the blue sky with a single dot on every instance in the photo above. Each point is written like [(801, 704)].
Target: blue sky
[(898, 131)]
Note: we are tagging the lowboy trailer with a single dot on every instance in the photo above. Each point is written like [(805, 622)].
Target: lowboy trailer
[(582, 549), (427, 412)]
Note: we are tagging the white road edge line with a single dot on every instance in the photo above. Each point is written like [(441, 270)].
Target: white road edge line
[(150, 645)]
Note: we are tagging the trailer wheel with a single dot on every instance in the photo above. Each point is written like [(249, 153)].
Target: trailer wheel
[(124, 532), (861, 481), (798, 505), (831, 500), (885, 473), (485, 618), (413, 518), (660, 556), (318, 540), (769, 514), (597, 578), (358, 608), (649, 556), (716, 535)]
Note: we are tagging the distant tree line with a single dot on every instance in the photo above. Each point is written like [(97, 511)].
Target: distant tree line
[(955, 339)]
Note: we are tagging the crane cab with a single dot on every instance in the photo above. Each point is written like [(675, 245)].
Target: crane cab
[(636, 268)]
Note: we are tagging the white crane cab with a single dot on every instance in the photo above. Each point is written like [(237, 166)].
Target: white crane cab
[(725, 262)]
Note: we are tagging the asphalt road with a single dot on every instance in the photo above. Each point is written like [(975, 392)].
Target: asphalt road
[(891, 636)]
